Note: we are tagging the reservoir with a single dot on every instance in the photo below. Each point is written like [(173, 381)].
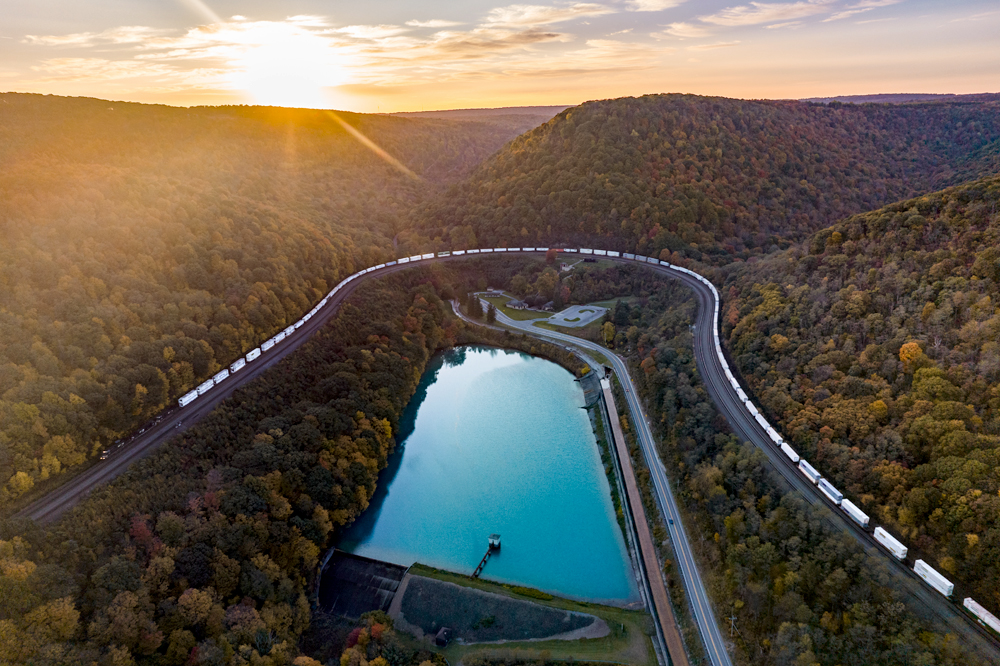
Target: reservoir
[(497, 441)]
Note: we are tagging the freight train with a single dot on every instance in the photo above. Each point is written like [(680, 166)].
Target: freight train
[(928, 574)]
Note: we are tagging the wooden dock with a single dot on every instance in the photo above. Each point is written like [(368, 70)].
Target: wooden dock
[(661, 602), (494, 545)]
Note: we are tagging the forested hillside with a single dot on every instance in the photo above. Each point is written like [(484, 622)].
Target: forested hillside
[(876, 346), (145, 247), (801, 590), (710, 178), (204, 553)]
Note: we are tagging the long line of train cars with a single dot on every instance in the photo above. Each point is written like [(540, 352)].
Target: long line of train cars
[(886, 540)]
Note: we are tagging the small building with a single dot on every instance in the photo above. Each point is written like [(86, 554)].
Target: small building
[(494, 541), (549, 307), (443, 637), (517, 305)]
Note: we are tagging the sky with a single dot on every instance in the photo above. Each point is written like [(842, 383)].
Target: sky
[(400, 55)]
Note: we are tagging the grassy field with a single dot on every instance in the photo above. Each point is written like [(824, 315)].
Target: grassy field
[(577, 331), (610, 303), (628, 642), (517, 315)]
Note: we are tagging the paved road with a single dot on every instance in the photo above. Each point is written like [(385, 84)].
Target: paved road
[(59, 500), (701, 607), (937, 608)]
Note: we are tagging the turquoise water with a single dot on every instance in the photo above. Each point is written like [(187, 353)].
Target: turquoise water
[(499, 443)]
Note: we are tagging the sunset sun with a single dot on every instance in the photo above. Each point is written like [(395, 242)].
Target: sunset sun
[(286, 65)]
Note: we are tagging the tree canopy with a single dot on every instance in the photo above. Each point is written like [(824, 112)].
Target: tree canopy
[(708, 177)]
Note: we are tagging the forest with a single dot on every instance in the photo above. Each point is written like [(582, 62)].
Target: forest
[(146, 247), (203, 553), (876, 347), (710, 178), (127, 275), (207, 551), (803, 592)]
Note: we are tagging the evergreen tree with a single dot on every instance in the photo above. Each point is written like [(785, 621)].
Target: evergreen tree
[(491, 314), (475, 307)]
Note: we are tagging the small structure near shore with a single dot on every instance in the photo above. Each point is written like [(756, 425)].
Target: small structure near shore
[(443, 637), (494, 545)]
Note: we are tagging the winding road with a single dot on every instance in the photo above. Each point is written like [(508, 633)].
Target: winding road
[(54, 504), (933, 606), (701, 606)]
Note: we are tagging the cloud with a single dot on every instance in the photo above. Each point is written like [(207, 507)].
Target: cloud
[(236, 54), (653, 5), (128, 34), (532, 15), (786, 24), (860, 8), (686, 30), (370, 31), (710, 47), (100, 69), (433, 23), (767, 12)]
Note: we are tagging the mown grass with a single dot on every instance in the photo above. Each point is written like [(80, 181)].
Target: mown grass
[(517, 315), (628, 642)]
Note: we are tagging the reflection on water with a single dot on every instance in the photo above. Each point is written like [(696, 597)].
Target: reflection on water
[(496, 441)]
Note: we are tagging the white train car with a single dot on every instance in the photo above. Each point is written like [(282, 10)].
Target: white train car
[(891, 544), (629, 255), (445, 253), (985, 617), (289, 330), (570, 249), (612, 253), (809, 471), (205, 387), (933, 578), (527, 249), (666, 263), (237, 365), (790, 452), (415, 257), (775, 437), (752, 408), (188, 398), (393, 262), (267, 345), (297, 325), (742, 395), (220, 376), (827, 489), (279, 337), (381, 266), (651, 260), (253, 354), (585, 250), (485, 250), (429, 255), (499, 249), (541, 249), (856, 514), (761, 420), (476, 251), (602, 253), (406, 260)]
